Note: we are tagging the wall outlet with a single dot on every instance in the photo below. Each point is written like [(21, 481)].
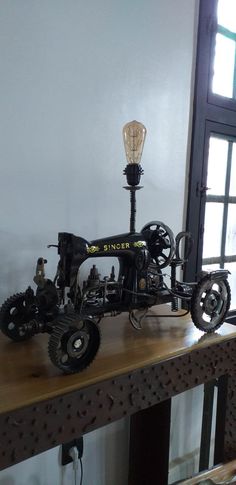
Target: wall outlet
[(65, 448)]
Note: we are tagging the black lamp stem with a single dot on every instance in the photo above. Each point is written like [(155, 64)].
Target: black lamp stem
[(132, 208), (133, 174)]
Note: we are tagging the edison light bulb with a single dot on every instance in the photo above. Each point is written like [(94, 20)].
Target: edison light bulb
[(134, 134)]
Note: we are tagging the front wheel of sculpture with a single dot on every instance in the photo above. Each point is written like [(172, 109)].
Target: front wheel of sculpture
[(210, 304), (73, 344)]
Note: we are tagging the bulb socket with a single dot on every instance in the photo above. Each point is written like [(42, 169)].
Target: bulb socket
[(133, 172)]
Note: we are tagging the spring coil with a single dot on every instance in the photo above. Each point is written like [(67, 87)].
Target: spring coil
[(174, 304)]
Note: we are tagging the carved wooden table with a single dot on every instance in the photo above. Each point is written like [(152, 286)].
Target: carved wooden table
[(135, 373)]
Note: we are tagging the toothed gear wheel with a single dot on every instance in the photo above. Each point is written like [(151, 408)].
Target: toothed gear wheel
[(13, 314), (73, 343), (210, 303)]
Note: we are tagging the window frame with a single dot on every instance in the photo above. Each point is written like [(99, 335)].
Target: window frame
[(212, 114)]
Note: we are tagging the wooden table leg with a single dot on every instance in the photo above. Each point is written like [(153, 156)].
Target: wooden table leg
[(207, 413), (230, 421), (149, 445), (220, 419)]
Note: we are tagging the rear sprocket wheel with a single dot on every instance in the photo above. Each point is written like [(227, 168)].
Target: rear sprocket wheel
[(73, 343), (14, 313)]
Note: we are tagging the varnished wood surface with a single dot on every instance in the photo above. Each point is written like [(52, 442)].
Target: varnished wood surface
[(220, 474), (27, 375)]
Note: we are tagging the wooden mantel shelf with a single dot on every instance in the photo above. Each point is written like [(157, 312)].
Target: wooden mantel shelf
[(40, 407)]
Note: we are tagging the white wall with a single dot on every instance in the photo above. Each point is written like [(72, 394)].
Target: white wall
[(72, 73), (105, 462)]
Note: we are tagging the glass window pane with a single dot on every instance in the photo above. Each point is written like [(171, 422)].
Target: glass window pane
[(230, 247), (232, 282), (223, 76), (217, 163), (210, 267), (212, 229), (232, 189), (226, 14)]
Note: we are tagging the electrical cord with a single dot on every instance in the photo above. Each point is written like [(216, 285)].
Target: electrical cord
[(74, 454), (81, 471), (168, 316), (177, 295)]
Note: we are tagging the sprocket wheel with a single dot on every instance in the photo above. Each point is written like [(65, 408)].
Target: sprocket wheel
[(161, 242), (13, 314), (73, 343), (210, 303)]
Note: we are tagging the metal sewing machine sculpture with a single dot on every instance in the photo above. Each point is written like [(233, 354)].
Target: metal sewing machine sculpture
[(71, 313)]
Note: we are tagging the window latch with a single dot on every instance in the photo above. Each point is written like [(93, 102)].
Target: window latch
[(201, 189), (204, 189)]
